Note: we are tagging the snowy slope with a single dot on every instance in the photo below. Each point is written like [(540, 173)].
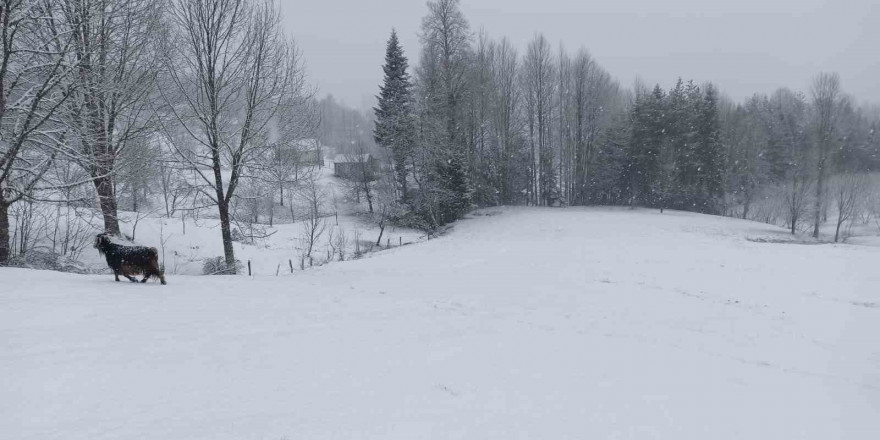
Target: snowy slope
[(522, 323), (189, 241)]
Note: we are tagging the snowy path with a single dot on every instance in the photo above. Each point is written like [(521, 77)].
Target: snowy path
[(552, 324)]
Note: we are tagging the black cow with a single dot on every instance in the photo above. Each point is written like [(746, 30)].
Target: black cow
[(129, 260)]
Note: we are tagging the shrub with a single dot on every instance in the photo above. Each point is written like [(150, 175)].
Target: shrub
[(217, 266)]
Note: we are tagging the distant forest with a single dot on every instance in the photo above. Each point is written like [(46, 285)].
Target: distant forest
[(477, 123), (204, 107)]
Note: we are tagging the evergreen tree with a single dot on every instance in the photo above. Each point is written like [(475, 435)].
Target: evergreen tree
[(608, 183), (709, 154), (775, 155), (645, 146), (673, 131), (687, 160), (443, 87), (394, 121)]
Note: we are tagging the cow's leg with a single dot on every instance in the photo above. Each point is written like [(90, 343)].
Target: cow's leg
[(146, 277), (130, 278), (116, 274)]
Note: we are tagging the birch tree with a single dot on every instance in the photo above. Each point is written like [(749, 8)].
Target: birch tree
[(505, 118), (827, 103), (538, 77), (442, 90)]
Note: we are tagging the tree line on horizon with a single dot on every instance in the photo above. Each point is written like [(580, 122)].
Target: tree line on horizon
[(476, 123), (203, 107)]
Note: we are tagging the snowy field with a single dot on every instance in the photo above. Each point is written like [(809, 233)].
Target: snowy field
[(519, 324)]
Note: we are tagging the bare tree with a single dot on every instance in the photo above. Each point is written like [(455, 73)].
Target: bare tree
[(538, 85), (796, 196), (363, 172), (114, 49), (175, 189), (231, 72), (33, 70), (850, 190), (292, 132), (594, 96), (446, 37), (388, 207), (315, 224), (138, 166), (786, 115), (827, 103), (505, 119)]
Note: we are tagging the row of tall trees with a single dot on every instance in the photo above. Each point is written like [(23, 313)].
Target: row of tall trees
[(200, 97), (675, 152), (477, 123), (803, 146)]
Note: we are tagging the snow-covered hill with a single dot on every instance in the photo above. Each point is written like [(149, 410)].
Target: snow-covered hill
[(521, 323)]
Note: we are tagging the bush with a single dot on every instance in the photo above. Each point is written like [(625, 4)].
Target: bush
[(237, 236), (217, 266), (36, 260), (43, 260)]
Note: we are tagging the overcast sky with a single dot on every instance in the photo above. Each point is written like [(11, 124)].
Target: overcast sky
[(743, 46)]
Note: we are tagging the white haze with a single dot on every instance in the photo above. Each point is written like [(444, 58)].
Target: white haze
[(743, 46)]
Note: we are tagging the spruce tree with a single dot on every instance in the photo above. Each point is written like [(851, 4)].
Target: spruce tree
[(645, 146), (675, 148), (709, 154), (394, 120), (688, 161)]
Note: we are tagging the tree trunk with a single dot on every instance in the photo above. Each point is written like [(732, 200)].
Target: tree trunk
[(272, 212), (820, 187), (4, 234), (134, 198), (226, 231), (107, 202), (381, 231), (401, 177), (369, 197), (281, 187)]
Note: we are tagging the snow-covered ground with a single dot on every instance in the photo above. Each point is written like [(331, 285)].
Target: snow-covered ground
[(521, 323)]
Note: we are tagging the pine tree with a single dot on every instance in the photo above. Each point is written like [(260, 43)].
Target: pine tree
[(442, 88), (674, 157), (394, 120), (709, 154), (688, 162), (645, 146)]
